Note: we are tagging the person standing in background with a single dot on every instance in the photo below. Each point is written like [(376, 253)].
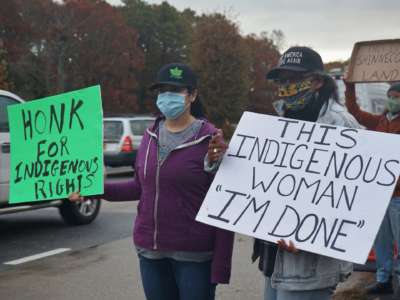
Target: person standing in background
[(389, 232)]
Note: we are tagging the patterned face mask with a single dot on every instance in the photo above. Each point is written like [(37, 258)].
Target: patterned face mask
[(291, 89), (296, 95)]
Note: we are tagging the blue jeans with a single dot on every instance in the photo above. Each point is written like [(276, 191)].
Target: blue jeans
[(276, 294), (168, 279), (388, 235)]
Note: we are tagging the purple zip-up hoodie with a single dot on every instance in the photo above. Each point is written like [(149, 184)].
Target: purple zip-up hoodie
[(170, 195)]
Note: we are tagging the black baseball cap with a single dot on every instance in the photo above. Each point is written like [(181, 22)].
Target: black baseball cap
[(299, 59), (175, 74)]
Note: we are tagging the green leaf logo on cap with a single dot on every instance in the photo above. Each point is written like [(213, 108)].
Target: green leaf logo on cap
[(176, 73)]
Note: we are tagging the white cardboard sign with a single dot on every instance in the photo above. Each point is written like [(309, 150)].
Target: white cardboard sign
[(375, 61), (324, 187)]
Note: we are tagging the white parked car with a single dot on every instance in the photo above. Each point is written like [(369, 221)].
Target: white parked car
[(73, 213), (122, 137)]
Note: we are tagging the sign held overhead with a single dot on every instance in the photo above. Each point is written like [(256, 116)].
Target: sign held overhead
[(375, 61)]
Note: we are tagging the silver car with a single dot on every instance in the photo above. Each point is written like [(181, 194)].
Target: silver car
[(72, 213), (122, 137)]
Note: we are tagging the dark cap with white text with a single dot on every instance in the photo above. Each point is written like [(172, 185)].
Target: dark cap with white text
[(298, 59)]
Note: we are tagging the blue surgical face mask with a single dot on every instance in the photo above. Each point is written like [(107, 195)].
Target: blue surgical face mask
[(393, 105), (172, 105)]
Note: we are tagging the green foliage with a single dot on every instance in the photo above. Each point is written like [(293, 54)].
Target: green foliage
[(164, 36), (264, 56), (77, 44), (4, 83), (221, 59), (54, 47)]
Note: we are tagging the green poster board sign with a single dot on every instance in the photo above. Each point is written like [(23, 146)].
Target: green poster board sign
[(57, 146)]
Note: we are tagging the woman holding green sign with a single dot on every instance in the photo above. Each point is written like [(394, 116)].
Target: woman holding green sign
[(179, 257)]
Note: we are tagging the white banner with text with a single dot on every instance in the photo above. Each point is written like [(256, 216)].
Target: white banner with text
[(324, 187)]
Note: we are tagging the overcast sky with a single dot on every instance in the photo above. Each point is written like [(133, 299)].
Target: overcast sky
[(329, 26)]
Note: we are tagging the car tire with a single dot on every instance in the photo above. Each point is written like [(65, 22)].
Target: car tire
[(80, 213)]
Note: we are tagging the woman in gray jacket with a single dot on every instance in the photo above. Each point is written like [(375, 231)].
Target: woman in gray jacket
[(310, 95)]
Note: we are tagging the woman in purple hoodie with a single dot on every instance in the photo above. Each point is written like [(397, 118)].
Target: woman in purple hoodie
[(179, 257)]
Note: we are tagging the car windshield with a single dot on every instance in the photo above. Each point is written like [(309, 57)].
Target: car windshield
[(4, 102), (139, 126), (112, 130)]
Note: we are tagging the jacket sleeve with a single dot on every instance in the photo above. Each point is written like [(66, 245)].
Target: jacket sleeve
[(222, 260), (122, 191), (364, 118), (127, 190)]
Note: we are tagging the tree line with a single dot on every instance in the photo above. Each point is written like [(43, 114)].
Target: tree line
[(51, 47)]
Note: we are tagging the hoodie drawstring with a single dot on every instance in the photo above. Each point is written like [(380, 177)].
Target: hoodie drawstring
[(147, 156)]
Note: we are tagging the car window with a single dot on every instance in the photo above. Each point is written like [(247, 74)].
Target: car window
[(4, 102), (139, 126), (113, 130)]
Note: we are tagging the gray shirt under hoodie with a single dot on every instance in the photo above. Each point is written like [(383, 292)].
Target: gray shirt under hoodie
[(168, 141)]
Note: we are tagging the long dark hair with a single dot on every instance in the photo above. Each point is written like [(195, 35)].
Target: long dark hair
[(329, 90), (197, 108)]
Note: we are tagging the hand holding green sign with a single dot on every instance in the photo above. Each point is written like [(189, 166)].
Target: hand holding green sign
[(56, 146)]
